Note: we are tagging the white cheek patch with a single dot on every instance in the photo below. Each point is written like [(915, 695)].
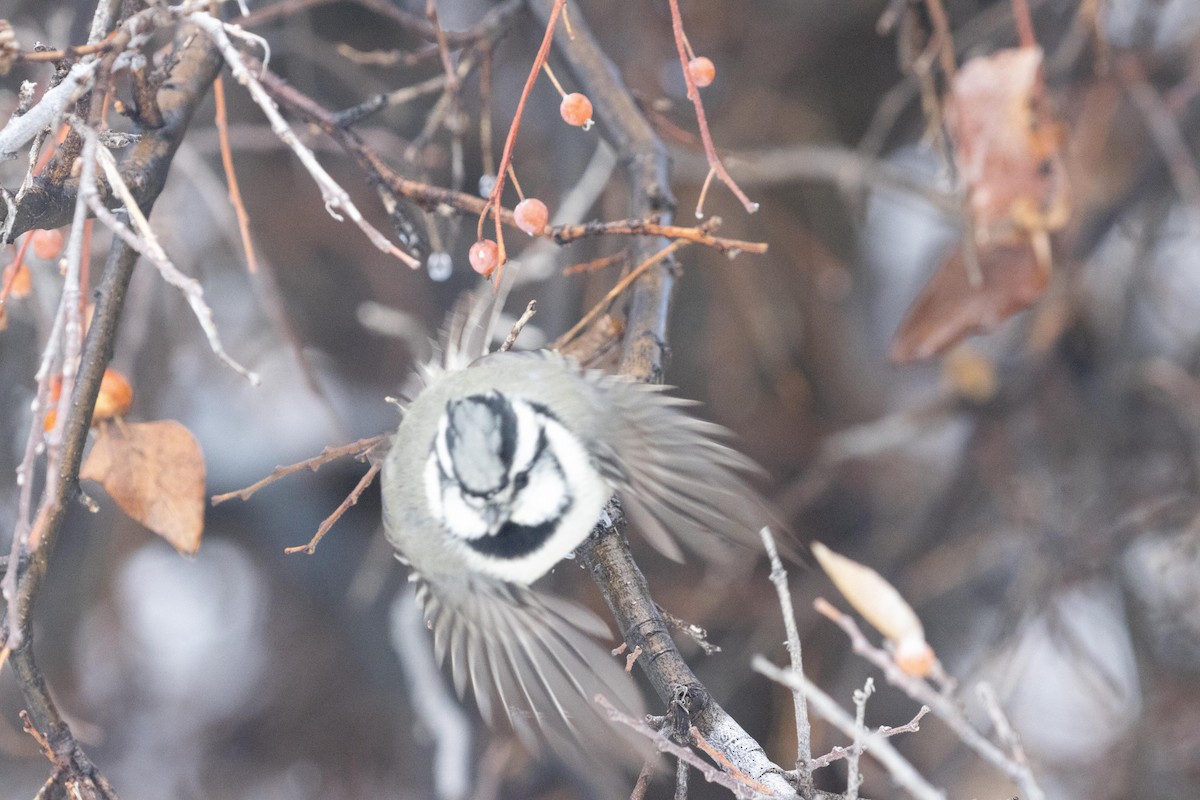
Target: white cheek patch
[(529, 429), (447, 505)]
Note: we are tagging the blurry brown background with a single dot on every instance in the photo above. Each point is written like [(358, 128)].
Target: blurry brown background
[(1045, 526)]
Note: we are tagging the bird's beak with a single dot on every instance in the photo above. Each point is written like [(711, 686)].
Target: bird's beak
[(493, 515)]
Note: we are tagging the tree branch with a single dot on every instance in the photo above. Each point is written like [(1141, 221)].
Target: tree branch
[(197, 66)]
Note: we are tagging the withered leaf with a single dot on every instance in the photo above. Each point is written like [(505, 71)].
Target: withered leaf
[(155, 473), (949, 308), (1007, 145)]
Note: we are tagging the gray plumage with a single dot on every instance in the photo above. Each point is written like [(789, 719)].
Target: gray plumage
[(499, 469)]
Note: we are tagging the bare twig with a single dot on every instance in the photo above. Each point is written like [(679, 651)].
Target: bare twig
[(235, 193), (837, 753), (431, 196), (616, 291), (854, 777), (635, 227), (643, 780), (495, 198), (48, 111), (357, 449), (684, 754), (901, 770), (519, 326), (941, 705), (145, 241), (691, 630), (710, 150), (1004, 728), (351, 499), (332, 193), (698, 741), (800, 705)]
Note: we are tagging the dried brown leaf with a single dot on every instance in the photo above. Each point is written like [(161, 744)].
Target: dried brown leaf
[(1007, 145), (949, 308), (871, 595), (155, 473)]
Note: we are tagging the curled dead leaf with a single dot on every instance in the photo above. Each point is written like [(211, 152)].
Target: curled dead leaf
[(949, 308), (1007, 145), (155, 472), (871, 595)]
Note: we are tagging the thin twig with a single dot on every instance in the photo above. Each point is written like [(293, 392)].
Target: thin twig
[(1024, 20), (800, 705), (901, 770), (145, 241), (724, 763), (854, 776), (519, 326), (710, 150), (616, 291), (837, 753), (941, 705), (495, 199), (357, 449), (332, 193), (643, 780), (235, 193), (351, 499), (691, 630), (1004, 728), (636, 227), (435, 196), (684, 754), (942, 38)]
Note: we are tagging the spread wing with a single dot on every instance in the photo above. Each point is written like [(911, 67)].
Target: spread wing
[(681, 483), (529, 659)]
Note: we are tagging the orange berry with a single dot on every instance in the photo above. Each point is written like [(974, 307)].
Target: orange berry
[(702, 71), (55, 387), (484, 256), (531, 215), (51, 418), (47, 244), (576, 109), (115, 398), (20, 282)]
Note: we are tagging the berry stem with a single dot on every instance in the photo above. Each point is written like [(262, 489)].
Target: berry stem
[(493, 202), (687, 45), (704, 193), (512, 175), (567, 23), (710, 150), (554, 79)]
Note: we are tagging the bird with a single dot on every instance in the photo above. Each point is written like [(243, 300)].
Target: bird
[(501, 467)]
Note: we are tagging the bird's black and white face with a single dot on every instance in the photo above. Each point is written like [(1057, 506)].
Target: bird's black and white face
[(507, 480)]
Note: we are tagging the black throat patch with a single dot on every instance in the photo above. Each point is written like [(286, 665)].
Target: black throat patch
[(514, 541)]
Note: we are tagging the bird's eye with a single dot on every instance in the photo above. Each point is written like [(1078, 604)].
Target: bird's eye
[(520, 480)]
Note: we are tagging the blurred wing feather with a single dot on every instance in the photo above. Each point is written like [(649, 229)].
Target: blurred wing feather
[(527, 661), (680, 482)]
